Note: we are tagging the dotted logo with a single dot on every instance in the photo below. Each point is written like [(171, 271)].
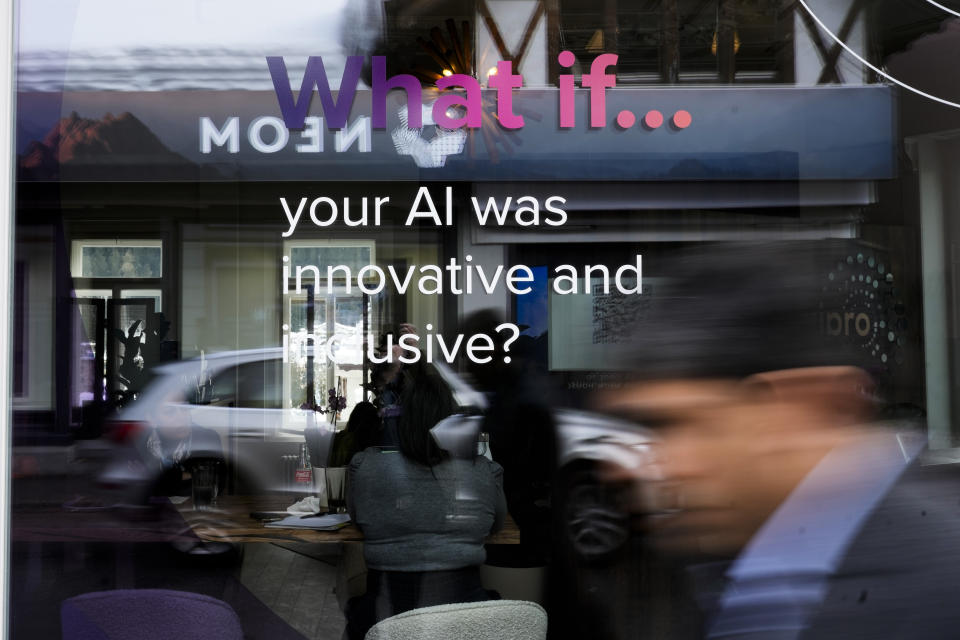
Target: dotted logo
[(870, 313)]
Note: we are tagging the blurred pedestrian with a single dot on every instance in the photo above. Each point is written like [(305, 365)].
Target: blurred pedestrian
[(805, 517)]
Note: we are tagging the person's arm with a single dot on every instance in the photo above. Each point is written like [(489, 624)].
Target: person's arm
[(352, 474)]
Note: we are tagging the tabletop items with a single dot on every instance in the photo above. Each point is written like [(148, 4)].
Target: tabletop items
[(326, 522)]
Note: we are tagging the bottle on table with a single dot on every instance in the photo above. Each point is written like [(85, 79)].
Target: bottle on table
[(303, 478)]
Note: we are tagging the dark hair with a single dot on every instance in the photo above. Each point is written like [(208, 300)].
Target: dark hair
[(493, 374), (364, 424), (425, 401), (735, 309)]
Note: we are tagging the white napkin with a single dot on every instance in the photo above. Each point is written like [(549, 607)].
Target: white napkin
[(310, 504)]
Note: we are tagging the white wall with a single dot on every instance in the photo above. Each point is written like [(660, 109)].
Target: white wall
[(37, 252), (512, 17), (808, 61), (229, 294)]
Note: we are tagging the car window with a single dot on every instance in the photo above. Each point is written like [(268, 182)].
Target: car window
[(251, 385), (259, 385), (223, 389)]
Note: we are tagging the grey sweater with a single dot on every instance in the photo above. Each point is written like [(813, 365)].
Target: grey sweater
[(415, 518)]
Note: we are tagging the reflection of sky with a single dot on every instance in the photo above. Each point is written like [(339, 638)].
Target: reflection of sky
[(115, 24), (149, 45), (532, 307)]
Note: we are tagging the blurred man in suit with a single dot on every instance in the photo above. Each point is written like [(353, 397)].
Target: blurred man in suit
[(801, 516)]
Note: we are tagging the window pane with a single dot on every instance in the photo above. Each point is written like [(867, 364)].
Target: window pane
[(259, 385), (120, 262), (153, 294), (298, 351), (354, 257), (252, 385)]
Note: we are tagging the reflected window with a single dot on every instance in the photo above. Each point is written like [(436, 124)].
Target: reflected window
[(120, 330), (679, 41), (340, 324), (117, 259), (352, 254), (252, 385)]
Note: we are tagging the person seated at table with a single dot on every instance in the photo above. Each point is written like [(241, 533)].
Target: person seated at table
[(363, 431), (424, 515)]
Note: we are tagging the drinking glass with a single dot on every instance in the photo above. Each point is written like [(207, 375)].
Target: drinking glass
[(336, 479), (205, 484)]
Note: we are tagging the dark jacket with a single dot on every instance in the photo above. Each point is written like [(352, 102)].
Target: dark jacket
[(419, 518), (900, 576)]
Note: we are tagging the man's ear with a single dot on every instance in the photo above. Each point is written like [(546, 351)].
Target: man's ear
[(846, 391)]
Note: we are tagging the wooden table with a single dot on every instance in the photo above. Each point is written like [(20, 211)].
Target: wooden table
[(231, 522)]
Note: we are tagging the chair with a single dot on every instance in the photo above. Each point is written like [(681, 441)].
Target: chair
[(490, 620), (148, 614)]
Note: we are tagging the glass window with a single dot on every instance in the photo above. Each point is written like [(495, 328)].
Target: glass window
[(117, 259), (150, 294), (252, 385), (259, 385), (342, 323), (340, 329), (677, 40), (321, 255), (164, 208)]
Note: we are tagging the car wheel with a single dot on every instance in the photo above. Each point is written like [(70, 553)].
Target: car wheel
[(595, 525)]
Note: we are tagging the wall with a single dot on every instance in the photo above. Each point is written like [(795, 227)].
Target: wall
[(35, 249), (808, 61), (230, 285)]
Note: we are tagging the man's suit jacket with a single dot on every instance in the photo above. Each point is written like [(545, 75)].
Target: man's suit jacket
[(900, 577)]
